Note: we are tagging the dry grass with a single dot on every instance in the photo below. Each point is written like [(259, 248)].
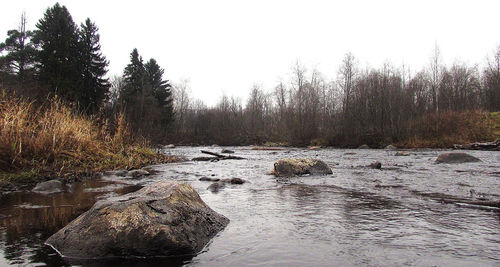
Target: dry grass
[(52, 138), (450, 128)]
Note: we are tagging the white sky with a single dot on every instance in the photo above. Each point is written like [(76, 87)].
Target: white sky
[(227, 46)]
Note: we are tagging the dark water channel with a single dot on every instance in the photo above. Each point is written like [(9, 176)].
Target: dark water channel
[(356, 216)]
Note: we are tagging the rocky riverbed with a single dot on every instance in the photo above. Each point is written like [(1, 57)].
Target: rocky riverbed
[(397, 214)]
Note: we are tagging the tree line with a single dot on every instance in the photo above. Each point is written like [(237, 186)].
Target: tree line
[(374, 106), (62, 60)]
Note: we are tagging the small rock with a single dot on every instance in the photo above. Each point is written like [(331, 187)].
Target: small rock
[(456, 157), (365, 146), (49, 187), (234, 181), (170, 146), (120, 173), (314, 147), (227, 151), (390, 147), (138, 173), (208, 179), (402, 153), (375, 165)]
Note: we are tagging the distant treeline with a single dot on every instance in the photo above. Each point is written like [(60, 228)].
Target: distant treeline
[(436, 106)]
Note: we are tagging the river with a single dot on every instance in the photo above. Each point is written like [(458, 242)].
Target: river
[(357, 216)]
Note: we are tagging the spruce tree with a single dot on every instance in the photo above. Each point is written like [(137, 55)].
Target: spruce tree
[(161, 90), (135, 91), (92, 66), (57, 36)]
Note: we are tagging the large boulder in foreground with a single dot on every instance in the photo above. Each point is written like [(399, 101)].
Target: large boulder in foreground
[(292, 167), (164, 219), (456, 157)]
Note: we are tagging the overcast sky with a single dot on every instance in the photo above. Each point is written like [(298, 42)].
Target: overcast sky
[(227, 46)]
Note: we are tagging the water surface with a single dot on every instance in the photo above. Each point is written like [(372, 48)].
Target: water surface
[(356, 216)]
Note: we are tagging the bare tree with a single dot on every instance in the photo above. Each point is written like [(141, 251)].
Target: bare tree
[(435, 74), (491, 82), (346, 79), (182, 103)]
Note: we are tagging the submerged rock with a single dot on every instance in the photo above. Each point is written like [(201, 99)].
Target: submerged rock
[(208, 179), (456, 157), (375, 165), (170, 146), (402, 153), (221, 183), (164, 219), (138, 173), (215, 187), (234, 181), (365, 146), (49, 187), (227, 151), (291, 167), (120, 173)]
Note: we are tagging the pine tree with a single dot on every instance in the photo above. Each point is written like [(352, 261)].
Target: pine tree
[(57, 36), (21, 51), (92, 67)]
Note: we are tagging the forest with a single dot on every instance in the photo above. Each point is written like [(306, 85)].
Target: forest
[(436, 106)]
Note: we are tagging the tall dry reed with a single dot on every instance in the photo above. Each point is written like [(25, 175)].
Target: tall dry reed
[(52, 137)]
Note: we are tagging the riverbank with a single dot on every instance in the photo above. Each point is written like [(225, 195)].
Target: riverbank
[(41, 142)]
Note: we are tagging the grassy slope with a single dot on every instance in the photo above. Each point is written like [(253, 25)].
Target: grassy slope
[(52, 141), (495, 119), (454, 128)]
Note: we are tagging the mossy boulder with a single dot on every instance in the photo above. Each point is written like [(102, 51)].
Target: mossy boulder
[(292, 167), (164, 219)]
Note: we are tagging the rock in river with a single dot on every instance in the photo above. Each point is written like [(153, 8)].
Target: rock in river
[(375, 165), (49, 187), (164, 219), (291, 167), (390, 147), (456, 157)]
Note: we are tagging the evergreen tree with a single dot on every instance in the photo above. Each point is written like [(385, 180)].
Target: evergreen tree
[(135, 91), (161, 90), (146, 97), (134, 77), (21, 51), (57, 36), (92, 67)]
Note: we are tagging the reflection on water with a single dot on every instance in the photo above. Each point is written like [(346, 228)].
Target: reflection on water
[(356, 216)]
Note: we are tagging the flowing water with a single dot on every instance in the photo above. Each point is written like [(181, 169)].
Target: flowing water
[(356, 216)]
